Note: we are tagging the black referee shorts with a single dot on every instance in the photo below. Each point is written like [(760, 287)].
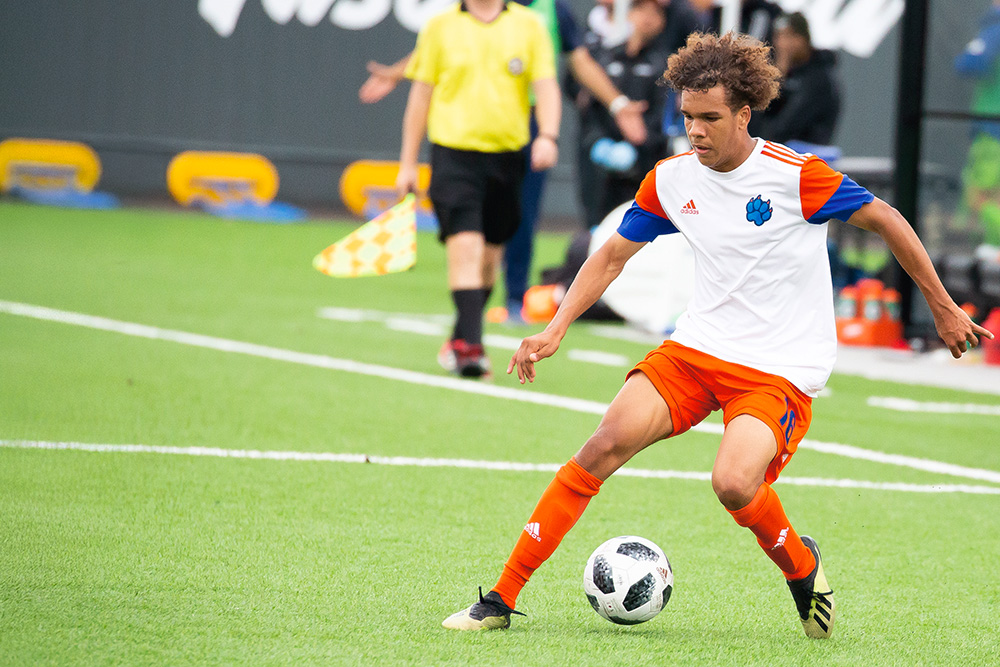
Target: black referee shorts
[(477, 192)]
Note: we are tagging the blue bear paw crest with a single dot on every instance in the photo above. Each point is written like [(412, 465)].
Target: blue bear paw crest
[(758, 210)]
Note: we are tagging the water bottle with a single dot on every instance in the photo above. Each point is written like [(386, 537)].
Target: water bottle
[(613, 155), (891, 304), (870, 296), (847, 303)]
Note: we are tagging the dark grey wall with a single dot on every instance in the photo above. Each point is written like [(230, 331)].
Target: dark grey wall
[(145, 79)]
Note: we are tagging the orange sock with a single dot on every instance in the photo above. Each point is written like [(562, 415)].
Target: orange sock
[(557, 511), (765, 517)]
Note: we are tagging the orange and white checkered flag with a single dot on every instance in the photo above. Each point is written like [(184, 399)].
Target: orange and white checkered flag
[(387, 244)]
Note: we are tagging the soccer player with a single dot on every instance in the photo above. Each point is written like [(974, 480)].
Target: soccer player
[(475, 68), (758, 339)]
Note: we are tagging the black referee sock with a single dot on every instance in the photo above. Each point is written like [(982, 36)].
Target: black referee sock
[(469, 324)]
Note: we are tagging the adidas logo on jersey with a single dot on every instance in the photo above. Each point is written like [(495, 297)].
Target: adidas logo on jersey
[(534, 529), (689, 208)]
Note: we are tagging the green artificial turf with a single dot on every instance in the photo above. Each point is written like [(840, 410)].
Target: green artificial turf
[(146, 558)]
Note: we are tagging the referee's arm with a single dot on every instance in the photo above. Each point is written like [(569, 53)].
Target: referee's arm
[(414, 127), (548, 113)]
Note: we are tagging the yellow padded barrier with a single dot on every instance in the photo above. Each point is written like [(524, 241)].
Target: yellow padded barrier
[(220, 178), (374, 181), (48, 164)]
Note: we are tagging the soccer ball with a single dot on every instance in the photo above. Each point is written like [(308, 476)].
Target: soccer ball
[(628, 580)]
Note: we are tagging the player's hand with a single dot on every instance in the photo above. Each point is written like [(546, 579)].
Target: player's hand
[(532, 349), (381, 81), (406, 180), (958, 331), (544, 153), (631, 124)]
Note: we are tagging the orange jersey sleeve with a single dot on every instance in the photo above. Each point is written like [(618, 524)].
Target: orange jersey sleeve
[(646, 197), (817, 184), (826, 193)]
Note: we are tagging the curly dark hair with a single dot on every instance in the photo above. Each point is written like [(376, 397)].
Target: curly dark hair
[(737, 62)]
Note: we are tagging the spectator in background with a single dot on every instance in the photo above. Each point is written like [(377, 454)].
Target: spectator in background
[(628, 115), (474, 71), (757, 17), (809, 104), (601, 29), (635, 68), (680, 21), (981, 175)]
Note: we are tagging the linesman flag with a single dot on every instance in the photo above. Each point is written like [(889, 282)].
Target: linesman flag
[(387, 244)]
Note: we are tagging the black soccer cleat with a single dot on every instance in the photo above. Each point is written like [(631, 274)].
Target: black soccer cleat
[(814, 598), (490, 613)]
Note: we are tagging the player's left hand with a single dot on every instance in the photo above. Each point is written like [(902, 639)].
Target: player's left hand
[(544, 153), (958, 331)]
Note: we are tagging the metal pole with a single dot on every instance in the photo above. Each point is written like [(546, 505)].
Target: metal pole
[(909, 126)]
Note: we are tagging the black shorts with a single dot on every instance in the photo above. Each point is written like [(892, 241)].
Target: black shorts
[(477, 192)]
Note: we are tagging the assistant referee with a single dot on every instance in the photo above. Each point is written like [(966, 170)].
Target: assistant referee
[(474, 70)]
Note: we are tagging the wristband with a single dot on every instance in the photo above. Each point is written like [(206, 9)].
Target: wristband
[(618, 104)]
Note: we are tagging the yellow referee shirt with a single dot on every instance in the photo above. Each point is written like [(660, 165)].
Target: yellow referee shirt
[(482, 75)]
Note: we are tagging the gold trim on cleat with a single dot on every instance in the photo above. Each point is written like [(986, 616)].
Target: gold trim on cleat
[(462, 621), (823, 612)]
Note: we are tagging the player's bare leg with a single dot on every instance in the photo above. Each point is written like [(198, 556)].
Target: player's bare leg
[(748, 447), (636, 418)]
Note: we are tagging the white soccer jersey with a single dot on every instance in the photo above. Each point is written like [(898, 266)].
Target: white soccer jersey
[(763, 294)]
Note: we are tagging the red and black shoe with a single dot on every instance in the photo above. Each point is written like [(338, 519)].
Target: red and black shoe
[(470, 359)]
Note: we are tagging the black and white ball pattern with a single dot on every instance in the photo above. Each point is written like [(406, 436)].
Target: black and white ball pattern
[(628, 580)]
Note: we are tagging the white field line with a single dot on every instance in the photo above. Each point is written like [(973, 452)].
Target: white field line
[(627, 334), (303, 358), (927, 465), (410, 325), (439, 325), (908, 405), (360, 315), (443, 382), (501, 342), (409, 461), (602, 358)]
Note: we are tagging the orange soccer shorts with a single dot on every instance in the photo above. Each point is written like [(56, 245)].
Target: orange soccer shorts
[(695, 384)]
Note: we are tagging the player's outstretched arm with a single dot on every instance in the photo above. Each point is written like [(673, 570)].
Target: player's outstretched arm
[(953, 325), (594, 277)]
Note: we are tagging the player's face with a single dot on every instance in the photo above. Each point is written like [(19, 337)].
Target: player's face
[(717, 134)]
